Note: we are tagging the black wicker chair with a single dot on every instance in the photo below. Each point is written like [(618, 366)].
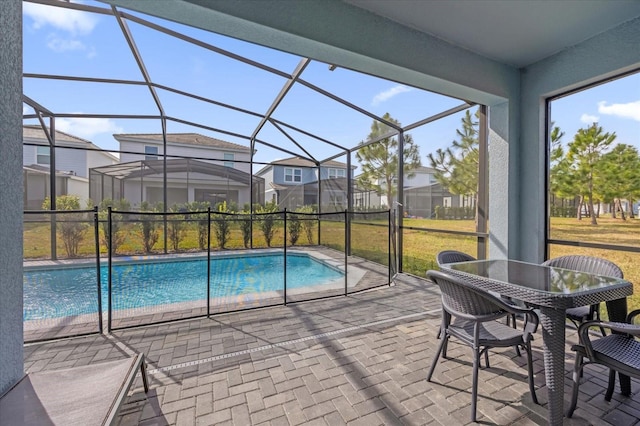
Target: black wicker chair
[(454, 256), (619, 352), (590, 264), (451, 256), (474, 313)]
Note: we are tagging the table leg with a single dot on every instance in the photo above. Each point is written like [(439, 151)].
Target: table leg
[(553, 340), (617, 311)]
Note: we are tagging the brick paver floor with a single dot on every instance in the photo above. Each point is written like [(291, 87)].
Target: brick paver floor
[(357, 360)]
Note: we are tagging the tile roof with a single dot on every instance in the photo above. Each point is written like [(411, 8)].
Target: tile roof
[(35, 131), (184, 138)]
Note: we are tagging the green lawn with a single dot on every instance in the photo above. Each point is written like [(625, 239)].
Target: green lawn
[(371, 242), (420, 247)]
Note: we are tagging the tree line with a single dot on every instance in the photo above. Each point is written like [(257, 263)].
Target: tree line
[(590, 170), (455, 168), (594, 171)]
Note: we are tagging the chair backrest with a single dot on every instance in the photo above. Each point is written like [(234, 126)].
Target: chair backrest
[(452, 256), (589, 264), (462, 299)]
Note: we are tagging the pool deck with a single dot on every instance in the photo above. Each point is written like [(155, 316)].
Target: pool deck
[(357, 360)]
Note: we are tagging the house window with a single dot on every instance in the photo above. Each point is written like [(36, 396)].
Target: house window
[(292, 175), (43, 155), (336, 200), (337, 173), (228, 160), (150, 152)]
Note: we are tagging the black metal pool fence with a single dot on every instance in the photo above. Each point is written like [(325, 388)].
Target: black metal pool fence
[(357, 244)]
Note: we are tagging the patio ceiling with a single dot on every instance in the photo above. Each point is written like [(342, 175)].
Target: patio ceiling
[(517, 33)]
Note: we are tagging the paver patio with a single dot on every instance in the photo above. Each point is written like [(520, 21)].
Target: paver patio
[(357, 360)]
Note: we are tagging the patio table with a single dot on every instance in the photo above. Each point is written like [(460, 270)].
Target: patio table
[(553, 290)]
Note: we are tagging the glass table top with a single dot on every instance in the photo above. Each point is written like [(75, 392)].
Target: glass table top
[(537, 277)]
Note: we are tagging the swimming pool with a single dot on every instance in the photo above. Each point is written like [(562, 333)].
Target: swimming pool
[(70, 291)]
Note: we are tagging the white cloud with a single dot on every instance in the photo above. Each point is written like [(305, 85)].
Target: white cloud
[(388, 94), (59, 44), (589, 119), (629, 110), (69, 20), (87, 127)]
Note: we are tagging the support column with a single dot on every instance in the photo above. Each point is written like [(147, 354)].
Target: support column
[(483, 190), (499, 158), (11, 188), (400, 199)]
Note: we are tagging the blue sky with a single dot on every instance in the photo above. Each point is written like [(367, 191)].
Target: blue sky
[(67, 42), (615, 106)]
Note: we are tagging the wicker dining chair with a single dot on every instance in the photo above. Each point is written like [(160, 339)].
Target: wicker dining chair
[(590, 264), (619, 352), (474, 313), (451, 256), (454, 256)]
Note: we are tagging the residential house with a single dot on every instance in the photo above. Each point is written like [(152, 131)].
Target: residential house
[(198, 168), (74, 157), (293, 182), (422, 194)]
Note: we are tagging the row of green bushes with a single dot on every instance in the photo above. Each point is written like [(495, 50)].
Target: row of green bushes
[(71, 227)]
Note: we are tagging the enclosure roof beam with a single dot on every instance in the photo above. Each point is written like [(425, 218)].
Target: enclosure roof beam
[(294, 141), (132, 116), (202, 44), (136, 54), (46, 130), (413, 126), (213, 129), (349, 104), (73, 5), (311, 135), (333, 157), (84, 79), (141, 83), (203, 99), (438, 116), (283, 150), (283, 92), (375, 140), (35, 105)]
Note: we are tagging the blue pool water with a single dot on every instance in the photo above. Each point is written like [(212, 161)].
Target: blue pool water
[(61, 292)]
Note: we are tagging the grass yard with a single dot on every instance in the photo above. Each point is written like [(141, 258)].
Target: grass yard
[(371, 242), (421, 247)]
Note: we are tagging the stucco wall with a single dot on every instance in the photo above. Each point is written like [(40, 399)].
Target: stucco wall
[(11, 352)]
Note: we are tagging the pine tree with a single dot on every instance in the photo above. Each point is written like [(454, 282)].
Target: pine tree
[(379, 160), (457, 166), (586, 169)]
